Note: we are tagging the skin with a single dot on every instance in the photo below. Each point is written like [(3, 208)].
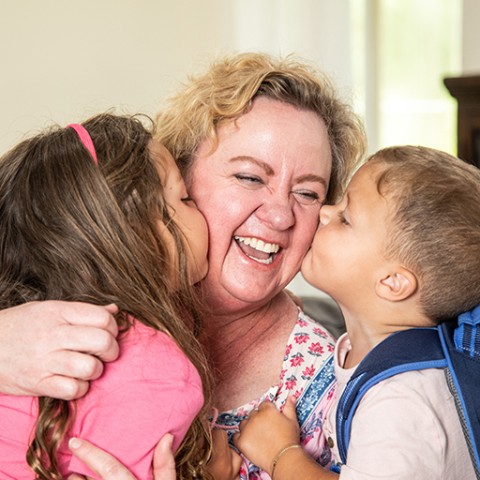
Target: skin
[(109, 468), (348, 262), (67, 343), (225, 463), (184, 213), (271, 166), (377, 295), (265, 181)]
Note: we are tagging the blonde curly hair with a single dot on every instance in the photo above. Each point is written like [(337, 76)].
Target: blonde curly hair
[(227, 90)]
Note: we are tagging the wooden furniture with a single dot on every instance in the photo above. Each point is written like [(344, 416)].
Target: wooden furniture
[(466, 90)]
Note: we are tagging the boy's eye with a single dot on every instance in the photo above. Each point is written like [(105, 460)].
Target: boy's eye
[(342, 218), (187, 199), (307, 197)]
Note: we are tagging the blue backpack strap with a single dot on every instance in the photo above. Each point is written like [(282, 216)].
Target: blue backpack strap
[(462, 345), (413, 349)]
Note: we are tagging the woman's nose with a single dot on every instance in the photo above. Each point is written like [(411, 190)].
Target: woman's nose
[(277, 213)]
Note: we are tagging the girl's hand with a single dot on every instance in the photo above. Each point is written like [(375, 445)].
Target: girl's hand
[(110, 468), (267, 432), (225, 462), (55, 348)]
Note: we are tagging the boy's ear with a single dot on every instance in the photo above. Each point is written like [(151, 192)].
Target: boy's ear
[(397, 285)]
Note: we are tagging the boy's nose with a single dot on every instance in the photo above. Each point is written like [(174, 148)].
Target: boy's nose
[(326, 212)]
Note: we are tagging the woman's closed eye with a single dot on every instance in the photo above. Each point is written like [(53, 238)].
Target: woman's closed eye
[(307, 197), (249, 179)]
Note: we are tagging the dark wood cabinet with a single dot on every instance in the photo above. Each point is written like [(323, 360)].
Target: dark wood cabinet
[(466, 90)]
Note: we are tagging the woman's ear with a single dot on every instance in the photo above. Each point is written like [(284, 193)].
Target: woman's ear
[(397, 285)]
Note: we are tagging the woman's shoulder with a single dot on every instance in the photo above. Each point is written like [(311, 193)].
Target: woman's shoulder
[(325, 312)]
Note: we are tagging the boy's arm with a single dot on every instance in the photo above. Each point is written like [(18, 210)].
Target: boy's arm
[(270, 439)]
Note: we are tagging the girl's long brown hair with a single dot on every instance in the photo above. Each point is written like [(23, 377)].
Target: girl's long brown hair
[(72, 230)]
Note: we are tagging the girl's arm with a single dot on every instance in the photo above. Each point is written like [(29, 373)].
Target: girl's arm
[(225, 462), (55, 348), (270, 439)]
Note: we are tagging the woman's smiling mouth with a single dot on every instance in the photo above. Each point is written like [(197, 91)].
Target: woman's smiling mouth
[(258, 250)]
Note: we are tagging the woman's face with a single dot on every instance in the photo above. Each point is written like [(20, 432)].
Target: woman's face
[(260, 191)]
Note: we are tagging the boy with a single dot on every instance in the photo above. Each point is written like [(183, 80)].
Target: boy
[(401, 250)]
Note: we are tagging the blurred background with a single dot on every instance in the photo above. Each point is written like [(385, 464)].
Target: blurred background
[(64, 60)]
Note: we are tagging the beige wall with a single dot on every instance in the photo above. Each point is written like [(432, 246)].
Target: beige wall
[(471, 37), (63, 60)]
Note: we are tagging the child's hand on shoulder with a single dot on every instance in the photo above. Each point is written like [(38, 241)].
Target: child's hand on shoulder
[(267, 432)]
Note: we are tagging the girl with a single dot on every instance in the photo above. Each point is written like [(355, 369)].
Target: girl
[(99, 212)]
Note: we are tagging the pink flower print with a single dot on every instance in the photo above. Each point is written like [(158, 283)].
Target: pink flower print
[(320, 332), (282, 374), (330, 347), (301, 338), (315, 349), (302, 323), (288, 350), (291, 382), (296, 360), (298, 393), (308, 372), (242, 412)]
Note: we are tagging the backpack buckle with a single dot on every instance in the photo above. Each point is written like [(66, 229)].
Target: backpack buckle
[(467, 334)]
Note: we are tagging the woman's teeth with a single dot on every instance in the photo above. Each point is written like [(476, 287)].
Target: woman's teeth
[(258, 250)]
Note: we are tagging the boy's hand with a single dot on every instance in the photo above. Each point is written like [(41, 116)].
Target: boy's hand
[(266, 432)]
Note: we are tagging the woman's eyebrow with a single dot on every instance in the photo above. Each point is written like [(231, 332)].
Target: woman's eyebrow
[(312, 178), (263, 165)]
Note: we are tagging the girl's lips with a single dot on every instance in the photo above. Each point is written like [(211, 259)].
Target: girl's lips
[(257, 249)]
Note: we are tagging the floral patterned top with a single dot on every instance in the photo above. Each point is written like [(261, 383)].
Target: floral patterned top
[(307, 372)]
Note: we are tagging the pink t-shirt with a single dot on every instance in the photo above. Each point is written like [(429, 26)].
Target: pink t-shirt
[(150, 390)]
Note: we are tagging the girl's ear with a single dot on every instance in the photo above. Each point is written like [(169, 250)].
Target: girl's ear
[(397, 285)]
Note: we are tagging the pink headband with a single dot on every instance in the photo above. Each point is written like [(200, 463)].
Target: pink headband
[(85, 139)]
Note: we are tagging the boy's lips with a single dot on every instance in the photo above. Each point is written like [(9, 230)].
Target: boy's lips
[(257, 249)]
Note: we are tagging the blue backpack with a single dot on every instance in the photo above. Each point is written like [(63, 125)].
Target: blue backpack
[(452, 346)]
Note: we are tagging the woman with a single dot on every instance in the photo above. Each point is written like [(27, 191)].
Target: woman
[(262, 144)]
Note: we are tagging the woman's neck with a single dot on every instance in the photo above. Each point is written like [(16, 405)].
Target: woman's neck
[(246, 349)]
